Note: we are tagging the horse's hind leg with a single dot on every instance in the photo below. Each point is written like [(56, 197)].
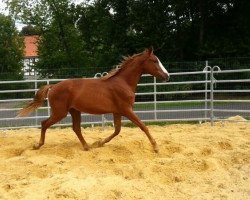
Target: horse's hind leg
[(45, 125), (117, 123), (76, 120)]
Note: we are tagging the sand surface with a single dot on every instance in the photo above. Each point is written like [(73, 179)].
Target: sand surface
[(195, 162)]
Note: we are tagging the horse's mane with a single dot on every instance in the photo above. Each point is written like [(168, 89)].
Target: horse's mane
[(123, 64)]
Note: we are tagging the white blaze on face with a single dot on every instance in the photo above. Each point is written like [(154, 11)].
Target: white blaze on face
[(162, 67)]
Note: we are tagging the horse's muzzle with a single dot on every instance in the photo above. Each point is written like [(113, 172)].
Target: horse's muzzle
[(166, 77)]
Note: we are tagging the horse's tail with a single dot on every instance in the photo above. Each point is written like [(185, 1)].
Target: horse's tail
[(36, 103)]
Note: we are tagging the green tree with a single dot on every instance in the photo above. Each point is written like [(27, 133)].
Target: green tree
[(151, 24), (11, 50), (60, 46), (29, 30), (98, 33), (95, 24)]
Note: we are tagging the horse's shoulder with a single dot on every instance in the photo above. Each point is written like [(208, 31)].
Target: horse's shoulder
[(123, 92)]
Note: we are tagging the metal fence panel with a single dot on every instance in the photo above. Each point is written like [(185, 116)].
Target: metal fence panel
[(207, 95)]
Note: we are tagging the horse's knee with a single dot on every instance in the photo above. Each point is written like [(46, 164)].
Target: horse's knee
[(144, 129), (43, 123), (117, 129)]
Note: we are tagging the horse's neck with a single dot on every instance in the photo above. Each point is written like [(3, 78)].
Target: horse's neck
[(131, 75)]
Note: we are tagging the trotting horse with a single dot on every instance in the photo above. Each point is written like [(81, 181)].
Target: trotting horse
[(113, 93)]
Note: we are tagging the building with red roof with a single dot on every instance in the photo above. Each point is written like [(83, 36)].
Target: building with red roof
[(30, 46), (30, 54)]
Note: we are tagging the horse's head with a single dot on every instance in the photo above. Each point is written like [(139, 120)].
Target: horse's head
[(152, 65)]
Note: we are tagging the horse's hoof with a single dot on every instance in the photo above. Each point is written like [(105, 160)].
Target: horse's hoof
[(36, 146), (97, 144), (156, 149), (86, 148)]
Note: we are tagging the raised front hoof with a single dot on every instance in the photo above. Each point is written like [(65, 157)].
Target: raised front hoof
[(97, 144), (36, 146)]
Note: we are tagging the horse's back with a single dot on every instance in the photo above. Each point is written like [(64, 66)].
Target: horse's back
[(85, 95)]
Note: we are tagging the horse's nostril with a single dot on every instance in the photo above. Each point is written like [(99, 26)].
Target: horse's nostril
[(167, 77)]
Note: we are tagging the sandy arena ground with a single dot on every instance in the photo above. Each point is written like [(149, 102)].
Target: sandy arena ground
[(195, 162)]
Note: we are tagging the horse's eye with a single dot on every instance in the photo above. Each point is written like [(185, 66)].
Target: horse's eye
[(155, 61)]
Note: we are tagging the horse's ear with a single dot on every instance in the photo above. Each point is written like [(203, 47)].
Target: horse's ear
[(150, 51)]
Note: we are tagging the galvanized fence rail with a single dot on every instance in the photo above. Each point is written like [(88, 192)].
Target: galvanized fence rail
[(197, 103)]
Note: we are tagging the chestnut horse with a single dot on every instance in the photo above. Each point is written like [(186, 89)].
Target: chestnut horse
[(113, 93)]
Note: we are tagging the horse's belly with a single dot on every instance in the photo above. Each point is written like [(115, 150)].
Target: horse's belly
[(94, 104), (94, 109)]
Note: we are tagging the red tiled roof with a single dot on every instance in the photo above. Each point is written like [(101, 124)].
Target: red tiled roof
[(30, 46)]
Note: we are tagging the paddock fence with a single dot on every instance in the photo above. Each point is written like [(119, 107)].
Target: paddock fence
[(208, 95)]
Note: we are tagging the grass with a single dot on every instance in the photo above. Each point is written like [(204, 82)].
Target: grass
[(130, 124), (150, 105), (166, 105)]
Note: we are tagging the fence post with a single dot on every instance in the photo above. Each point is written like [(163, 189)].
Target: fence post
[(206, 66), (212, 92), (212, 97), (99, 75), (206, 70), (48, 109), (35, 94), (155, 100)]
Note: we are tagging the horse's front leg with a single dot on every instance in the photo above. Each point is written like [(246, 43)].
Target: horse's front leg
[(135, 119), (117, 124)]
